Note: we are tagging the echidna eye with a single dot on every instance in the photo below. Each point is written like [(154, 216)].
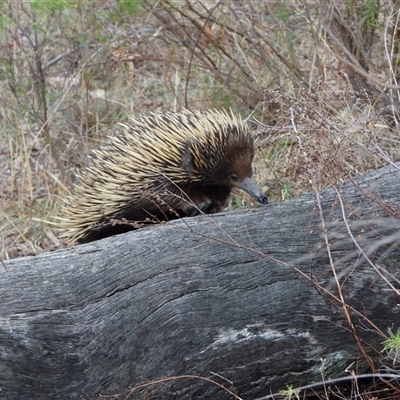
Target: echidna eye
[(234, 178)]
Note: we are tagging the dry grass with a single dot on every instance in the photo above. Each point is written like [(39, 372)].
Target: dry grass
[(70, 70)]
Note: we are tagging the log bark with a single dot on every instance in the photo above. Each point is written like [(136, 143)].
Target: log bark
[(248, 299)]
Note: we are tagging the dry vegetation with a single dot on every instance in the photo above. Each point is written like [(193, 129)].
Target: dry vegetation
[(70, 70), (319, 80)]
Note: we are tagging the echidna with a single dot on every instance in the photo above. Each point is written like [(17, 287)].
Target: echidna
[(161, 166)]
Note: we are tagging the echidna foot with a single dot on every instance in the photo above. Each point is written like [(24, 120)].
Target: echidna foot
[(206, 207)]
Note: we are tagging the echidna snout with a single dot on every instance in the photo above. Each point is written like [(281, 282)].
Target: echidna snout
[(249, 186)]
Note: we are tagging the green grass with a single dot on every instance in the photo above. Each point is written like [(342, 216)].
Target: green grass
[(392, 345)]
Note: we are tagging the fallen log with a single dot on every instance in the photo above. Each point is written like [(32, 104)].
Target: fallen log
[(207, 307)]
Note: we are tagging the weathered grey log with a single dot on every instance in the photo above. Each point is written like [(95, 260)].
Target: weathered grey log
[(216, 296)]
